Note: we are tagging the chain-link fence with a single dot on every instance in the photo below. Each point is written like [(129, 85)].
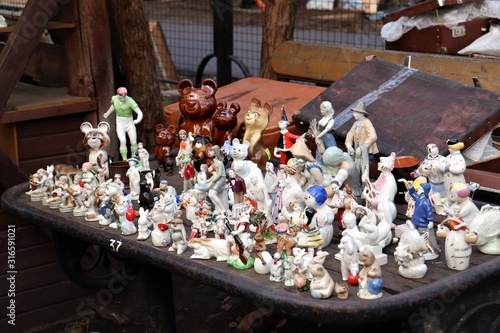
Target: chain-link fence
[(188, 29)]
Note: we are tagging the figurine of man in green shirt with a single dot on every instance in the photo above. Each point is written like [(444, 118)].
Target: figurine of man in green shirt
[(124, 106)]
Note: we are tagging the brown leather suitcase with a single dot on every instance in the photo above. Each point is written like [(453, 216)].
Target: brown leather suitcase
[(407, 107), (438, 38)]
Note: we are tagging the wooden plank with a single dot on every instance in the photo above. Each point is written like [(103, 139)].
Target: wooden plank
[(327, 63), (11, 174), (48, 111), (52, 25), (21, 43), (32, 257), (38, 319), (49, 126), (37, 277), (26, 236), (166, 65), (46, 295), (49, 145)]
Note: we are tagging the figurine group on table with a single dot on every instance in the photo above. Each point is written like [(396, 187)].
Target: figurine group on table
[(236, 205)]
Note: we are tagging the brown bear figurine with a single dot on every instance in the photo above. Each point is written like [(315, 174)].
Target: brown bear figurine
[(165, 138), (224, 120), (256, 120), (197, 106)]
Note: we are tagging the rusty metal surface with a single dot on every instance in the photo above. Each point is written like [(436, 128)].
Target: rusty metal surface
[(408, 108), (477, 285)]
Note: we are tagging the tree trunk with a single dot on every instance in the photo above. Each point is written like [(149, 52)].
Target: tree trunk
[(135, 64), (279, 21)]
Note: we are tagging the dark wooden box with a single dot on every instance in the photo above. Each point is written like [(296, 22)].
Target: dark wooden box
[(438, 38)]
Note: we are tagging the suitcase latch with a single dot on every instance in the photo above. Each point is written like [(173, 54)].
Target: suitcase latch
[(458, 31)]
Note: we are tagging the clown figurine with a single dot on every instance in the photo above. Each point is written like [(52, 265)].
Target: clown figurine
[(125, 106)]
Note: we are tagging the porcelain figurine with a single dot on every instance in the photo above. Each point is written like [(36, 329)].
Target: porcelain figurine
[(322, 130), (178, 234), (423, 219), (349, 265), (242, 243), (97, 141), (342, 290), (341, 201), (379, 195), (309, 234), (484, 230), (143, 155), (271, 180), (207, 248), (220, 226), (200, 187), (143, 225), (460, 203), (217, 187), (370, 276), (361, 139), (77, 195), (322, 284), (286, 139), (277, 271), (419, 177), (378, 231), (39, 184), (339, 166), (263, 259), (435, 176), (88, 175), (160, 235), (315, 198), (302, 273), (457, 251), (188, 173), (258, 192), (110, 191), (125, 107), (199, 229), (224, 120), (185, 148), (191, 206), (291, 192), (146, 196), (134, 178), (409, 253), (453, 166), (289, 274), (60, 185), (311, 172), (256, 120), (197, 106), (200, 147), (165, 189), (351, 229), (164, 138), (241, 163), (126, 215), (285, 236), (90, 203), (238, 187)]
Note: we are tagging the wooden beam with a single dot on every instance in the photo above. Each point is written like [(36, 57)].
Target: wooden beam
[(327, 63), (21, 43), (166, 65)]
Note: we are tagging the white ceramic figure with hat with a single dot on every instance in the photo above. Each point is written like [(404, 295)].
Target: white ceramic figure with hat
[(361, 139), (134, 178), (322, 131), (453, 166), (286, 139)]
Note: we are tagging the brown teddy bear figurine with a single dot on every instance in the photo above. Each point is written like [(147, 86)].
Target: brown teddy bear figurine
[(197, 106), (165, 138), (256, 120), (225, 120)]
